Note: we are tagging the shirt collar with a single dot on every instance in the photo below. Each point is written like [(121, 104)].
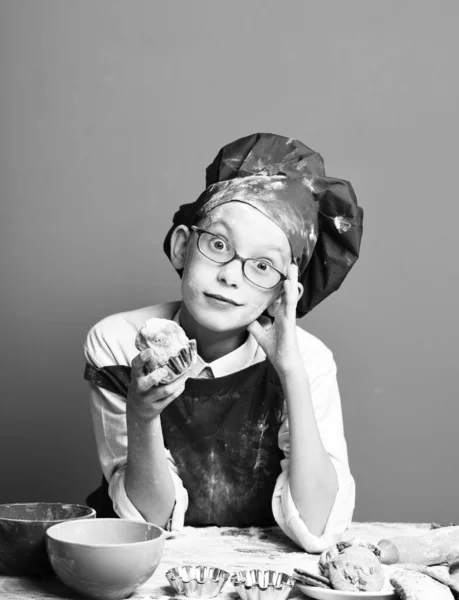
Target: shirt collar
[(236, 360)]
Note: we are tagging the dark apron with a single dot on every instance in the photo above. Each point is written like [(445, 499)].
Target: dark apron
[(223, 436)]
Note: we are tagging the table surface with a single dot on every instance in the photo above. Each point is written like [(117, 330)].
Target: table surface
[(229, 548)]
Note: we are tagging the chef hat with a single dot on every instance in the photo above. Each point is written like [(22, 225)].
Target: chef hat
[(285, 180)]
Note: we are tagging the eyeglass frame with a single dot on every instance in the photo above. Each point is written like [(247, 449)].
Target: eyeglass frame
[(243, 260)]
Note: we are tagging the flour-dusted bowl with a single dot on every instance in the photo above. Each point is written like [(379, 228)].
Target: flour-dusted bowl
[(23, 527), (197, 581), (107, 559)]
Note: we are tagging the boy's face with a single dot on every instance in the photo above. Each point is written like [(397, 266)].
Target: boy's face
[(220, 297)]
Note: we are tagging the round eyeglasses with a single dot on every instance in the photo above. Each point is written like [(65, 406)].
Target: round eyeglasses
[(218, 250)]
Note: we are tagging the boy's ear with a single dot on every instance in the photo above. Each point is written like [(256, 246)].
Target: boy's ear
[(272, 308), (179, 243)]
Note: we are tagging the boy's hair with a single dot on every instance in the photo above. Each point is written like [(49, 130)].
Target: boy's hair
[(286, 181)]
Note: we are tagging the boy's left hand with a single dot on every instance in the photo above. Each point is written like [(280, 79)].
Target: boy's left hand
[(279, 340)]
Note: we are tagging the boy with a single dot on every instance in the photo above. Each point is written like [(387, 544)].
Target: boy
[(253, 434)]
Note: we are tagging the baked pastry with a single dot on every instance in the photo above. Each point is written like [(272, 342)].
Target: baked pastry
[(171, 348), (353, 565), (333, 551), (454, 571), (346, 543), (411, 585), (440, 573), (311, 579), (452, 560), (356, 569), (325, 559)]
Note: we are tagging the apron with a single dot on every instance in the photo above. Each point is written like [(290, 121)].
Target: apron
[(223, 436)]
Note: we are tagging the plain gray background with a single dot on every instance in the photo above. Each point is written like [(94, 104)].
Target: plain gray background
[(110, 111)]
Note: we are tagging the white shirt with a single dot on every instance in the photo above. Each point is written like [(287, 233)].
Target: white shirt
[(111, 342)]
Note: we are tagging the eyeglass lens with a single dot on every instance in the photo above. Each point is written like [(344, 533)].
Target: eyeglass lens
[(257, 271)]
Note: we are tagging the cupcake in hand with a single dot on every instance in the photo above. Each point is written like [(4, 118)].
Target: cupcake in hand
[(171, 348)]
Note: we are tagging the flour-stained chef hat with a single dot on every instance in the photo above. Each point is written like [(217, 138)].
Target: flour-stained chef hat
[(286, 181)]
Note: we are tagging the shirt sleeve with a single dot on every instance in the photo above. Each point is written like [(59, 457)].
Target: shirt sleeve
[(108, 411), (327, 407)]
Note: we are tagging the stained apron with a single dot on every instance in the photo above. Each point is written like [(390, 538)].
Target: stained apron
[(223, 436)]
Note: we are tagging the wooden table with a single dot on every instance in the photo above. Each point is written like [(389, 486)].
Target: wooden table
[(228, 548)]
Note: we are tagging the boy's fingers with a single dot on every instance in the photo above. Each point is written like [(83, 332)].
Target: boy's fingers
[(170, 388), (140, 359), (161, 404), (137, 363), (259, 333), (291, 293), (154, 378), (291, 289), (256, 330), (292, 272), (151, 380)]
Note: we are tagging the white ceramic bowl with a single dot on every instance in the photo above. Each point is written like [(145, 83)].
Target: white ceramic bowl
[(107, 559)]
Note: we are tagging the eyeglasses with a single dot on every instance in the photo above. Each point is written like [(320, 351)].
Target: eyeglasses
[(218, 250)]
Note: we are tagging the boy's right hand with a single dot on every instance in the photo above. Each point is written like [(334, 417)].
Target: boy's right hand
[(146, 398)]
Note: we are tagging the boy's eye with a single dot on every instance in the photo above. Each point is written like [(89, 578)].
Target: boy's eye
[(263, 267), (218, 244)]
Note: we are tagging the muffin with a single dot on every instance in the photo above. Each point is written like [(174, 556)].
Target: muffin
[(171, 348)]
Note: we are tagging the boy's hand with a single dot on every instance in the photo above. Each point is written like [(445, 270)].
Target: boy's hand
[(279, 340), (146, 398)]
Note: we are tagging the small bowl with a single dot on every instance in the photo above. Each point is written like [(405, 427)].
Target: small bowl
[(262, 585), (23, 535), (197, 581), (106, 559)]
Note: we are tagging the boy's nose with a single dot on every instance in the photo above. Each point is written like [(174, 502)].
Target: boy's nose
[(231, 273)]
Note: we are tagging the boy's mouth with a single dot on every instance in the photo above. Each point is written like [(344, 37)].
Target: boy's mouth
[(222, 299)]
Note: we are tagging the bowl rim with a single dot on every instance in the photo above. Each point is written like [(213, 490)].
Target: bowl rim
[(52, 530), (91, 512)]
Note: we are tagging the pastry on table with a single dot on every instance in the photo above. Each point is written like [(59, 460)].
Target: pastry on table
[(440, 573), (452, 560), (454, 571), (346, 543), (311, 579), (334, 550), (353, 565), (356, 569), (412, 585), (325, 558), (170, 346)]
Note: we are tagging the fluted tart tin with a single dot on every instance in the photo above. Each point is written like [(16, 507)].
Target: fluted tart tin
[(197, 581), (258, 584)]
